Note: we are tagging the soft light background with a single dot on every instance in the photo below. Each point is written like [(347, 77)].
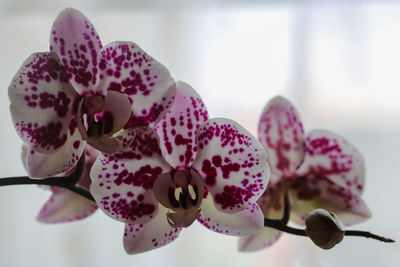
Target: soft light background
[(338, 61)]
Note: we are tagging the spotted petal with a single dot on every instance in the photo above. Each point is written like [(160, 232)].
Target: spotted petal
[(178, 128), (246, 222), (265, 238), (232, 163), (312, 192), (280, 131), (331, 156), (65, 206), (122, 182), (41, 102), (271, 202), (40, 165), (126, 68), (139, 238), (77, 44)]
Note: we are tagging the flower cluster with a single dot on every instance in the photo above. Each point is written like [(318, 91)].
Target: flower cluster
[(152, 157)]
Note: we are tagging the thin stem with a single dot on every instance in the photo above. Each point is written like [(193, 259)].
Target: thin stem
[(277, 224), (368, 235), (286, 203), (64, 182)]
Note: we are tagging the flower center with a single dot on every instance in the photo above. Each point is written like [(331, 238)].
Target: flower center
[(95, 124), (182, 192)]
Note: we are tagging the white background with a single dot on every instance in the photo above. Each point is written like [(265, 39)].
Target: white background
[(338, 62)]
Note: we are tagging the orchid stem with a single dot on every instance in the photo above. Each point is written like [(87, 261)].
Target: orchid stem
[(63, 182), (278, 225), (286, 203)]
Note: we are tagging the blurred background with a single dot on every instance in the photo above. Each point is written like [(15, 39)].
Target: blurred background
[(337, 61)]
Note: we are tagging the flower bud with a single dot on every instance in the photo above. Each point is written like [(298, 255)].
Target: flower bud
[(324, 228)]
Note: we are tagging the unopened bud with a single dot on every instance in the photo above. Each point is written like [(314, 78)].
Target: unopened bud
[(324, 228)]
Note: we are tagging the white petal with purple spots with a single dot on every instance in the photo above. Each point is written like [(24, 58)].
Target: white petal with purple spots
[(41, 102), (313, 192), (280, 131), (178, 128), (126, 68), (329, 155), (140, 238), (43, 165), (122, 182), (246, 222), (65, 206), (77, 44), (232, 163)]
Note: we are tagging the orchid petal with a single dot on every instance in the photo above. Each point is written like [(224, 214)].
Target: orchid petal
[(77, 44), (65, 206), (122, 182), (271, 202), (41, 166), (232, 163), (41, 102), (126, 68), (246, 222), (265, 238), (178, 128), (139, 238), (281, 132), (313, 192), (329, 155)]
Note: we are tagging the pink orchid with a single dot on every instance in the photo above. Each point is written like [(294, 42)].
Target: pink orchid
[(189, 167), (65, 205), (83, 92), (319, 170)]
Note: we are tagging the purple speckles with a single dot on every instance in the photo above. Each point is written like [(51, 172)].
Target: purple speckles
[(128, 210), (178, 128), (233, 196), (281, 133), (77, 144), (46, 137), (144, 177), (75, 40), (237, 174)]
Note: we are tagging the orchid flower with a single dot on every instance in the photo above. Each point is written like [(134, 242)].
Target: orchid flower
[(318, 169), (188, 167), (65, 205), (83, 92)]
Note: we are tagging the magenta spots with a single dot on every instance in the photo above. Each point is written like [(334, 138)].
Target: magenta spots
[(233, 197), (281, 133), (78, 45), (144, 177), (322, 145), (153, 114), (210, 171), (125, 209), (44, 68), (178, 129), (47, 137), (76, 144), (59, 103), (140, 144), (127, 69), (227, 134), (226, 168)]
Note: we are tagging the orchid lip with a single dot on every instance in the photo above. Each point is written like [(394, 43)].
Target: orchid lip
[(182, 192), (94, 126)]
